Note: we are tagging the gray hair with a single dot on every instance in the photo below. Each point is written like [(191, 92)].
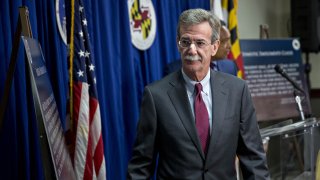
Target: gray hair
[(196, 16)]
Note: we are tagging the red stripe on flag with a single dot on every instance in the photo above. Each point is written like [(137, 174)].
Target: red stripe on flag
[(77, 88), (98, 155), (88, 171), (93, 108)]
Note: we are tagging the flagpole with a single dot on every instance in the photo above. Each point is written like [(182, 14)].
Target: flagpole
[(71, 49)]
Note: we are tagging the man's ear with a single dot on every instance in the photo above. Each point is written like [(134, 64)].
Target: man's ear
[(177, 41), (214, 47)]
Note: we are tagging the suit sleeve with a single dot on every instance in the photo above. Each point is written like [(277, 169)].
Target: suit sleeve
[(142, 163), (235, 68), (250, 151)]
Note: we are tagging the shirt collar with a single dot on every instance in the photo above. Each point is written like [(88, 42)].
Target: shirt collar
[(191, 83)]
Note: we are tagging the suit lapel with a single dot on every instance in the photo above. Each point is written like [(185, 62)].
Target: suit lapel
[(179, 99), (219, 106)]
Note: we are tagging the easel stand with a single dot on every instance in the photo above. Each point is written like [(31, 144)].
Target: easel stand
[(23, 29)]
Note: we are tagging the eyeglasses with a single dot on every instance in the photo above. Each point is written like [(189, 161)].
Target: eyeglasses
[(186, 43)]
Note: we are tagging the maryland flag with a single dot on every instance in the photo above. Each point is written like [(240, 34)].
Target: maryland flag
[(231, 7), (229, 15), (141, 19)]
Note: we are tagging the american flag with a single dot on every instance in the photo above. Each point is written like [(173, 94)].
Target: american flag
[(88, 154)]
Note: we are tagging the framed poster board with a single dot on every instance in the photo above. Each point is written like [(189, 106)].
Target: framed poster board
[(272, 94), (48, 118)]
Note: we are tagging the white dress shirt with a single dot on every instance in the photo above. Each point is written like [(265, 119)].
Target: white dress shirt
[(205, 93)]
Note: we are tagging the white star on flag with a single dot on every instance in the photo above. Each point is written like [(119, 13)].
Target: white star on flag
[(86, 54), (81, 33), (80, 8), (91, 67), (84, 22), (80, 73), (81, 53)]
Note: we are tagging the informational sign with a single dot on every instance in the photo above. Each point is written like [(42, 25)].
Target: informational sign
[(272, 94), (45, 104)]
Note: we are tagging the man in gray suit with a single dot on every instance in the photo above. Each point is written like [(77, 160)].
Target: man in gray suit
[(197, 132)]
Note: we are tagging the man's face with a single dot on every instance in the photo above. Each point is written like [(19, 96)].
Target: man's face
[(196, 49), (225, 44)]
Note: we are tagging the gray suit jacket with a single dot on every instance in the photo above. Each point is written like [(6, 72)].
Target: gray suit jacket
[(167, 128)]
